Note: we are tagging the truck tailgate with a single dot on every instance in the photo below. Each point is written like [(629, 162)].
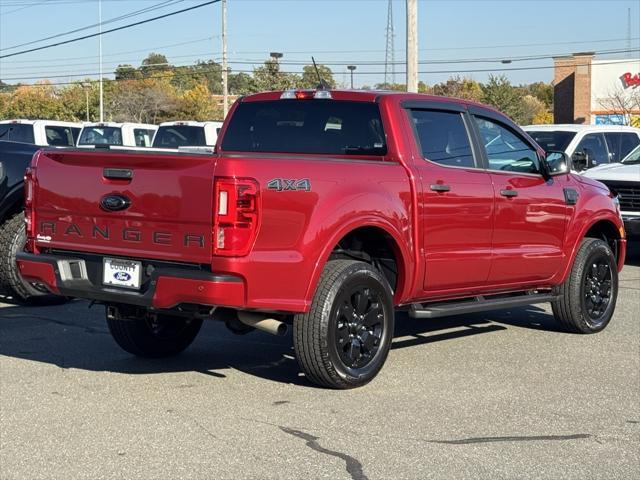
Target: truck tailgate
[(80, 199)]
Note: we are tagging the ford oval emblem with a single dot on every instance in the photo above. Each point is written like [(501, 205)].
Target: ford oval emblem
[(122, 276), (114, 202)]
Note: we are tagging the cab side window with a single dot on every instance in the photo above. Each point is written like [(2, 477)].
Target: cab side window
[(443, 137), (594, 145), (506, 151), (620, 144)]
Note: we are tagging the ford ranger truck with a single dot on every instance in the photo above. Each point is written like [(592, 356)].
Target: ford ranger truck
[(327, 211)]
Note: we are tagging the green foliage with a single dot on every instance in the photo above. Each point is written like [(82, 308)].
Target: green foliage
[(499, 93), (310, 77), (241, 84), (269, 77), (459, 87)]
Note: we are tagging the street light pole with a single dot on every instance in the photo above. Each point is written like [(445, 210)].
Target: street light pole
[(351, 69), (100, 54)]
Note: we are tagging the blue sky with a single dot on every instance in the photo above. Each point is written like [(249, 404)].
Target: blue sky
[(344, 31)]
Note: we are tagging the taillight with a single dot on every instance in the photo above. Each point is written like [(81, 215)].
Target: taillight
[(29, 207), (236, 216)]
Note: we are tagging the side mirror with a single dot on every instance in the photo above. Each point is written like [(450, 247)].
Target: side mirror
[(556, 163)]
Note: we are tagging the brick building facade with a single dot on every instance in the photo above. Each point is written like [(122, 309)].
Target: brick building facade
[(589, 91)]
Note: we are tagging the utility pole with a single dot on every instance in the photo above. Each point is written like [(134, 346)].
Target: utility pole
[(100, 54), (412, 46), (389, 56), (225, 71)]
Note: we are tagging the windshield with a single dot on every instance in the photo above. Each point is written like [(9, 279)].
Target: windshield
[(633, 157), (557, 141), (174, 136), (101, 136), (306, 126)]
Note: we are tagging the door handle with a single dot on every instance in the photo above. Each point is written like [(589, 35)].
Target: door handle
[(509, 193), (439, 187)]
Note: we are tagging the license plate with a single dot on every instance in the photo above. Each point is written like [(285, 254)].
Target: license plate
[(121, 273)]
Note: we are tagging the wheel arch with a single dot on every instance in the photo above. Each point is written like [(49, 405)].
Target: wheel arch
[(377, 237), (603, 227)]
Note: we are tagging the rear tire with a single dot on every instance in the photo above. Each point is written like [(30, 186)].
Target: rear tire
[(12, 240), (149, 337), (343, 341), (587, 298)]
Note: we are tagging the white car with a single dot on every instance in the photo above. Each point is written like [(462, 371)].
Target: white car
[(623, 179), (587, 145), (174, 135), (117, 134), (40, 132)]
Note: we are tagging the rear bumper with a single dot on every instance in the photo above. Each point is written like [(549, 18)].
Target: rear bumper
[(165, 288), (631, 225)]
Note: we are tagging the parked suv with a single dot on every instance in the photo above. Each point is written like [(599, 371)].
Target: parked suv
[(587, 145)]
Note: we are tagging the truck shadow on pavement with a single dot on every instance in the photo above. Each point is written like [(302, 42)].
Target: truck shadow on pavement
[(73, 337)]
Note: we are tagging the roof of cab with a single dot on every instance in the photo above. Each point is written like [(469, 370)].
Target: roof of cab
[(370, 96)]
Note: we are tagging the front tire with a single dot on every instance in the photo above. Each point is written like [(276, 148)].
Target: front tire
[(587, 299), (153, 336), (343, 341)]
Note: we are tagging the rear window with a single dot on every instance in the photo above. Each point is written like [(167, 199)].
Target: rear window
[(175, 136), (101, 136), (59, 136), (17, 132), (557, 141), (306, 126)]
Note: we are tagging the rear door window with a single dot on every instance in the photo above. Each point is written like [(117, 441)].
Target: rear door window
[(620, 144), (329, 127), (443, 137)]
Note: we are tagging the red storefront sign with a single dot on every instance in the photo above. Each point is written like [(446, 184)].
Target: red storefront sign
[(631, 80)]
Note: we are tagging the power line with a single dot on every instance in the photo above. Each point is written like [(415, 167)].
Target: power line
[(135, 13), (123, 27)]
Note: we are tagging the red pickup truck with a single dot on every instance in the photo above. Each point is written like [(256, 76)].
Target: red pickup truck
[(328, 211)]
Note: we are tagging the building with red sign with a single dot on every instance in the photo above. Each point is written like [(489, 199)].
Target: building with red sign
[(593, 91)]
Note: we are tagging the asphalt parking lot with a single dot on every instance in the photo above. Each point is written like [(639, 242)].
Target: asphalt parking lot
[(497, 395)]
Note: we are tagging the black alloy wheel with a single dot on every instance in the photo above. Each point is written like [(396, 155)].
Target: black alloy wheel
[(359, 325)]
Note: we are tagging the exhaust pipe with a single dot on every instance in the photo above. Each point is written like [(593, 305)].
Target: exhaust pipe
[(266, 324)]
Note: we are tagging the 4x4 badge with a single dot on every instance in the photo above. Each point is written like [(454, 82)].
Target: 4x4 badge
[(285, 184)]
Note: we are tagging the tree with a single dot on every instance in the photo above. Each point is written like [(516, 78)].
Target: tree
[(197, 104), (127, 72), (241, 84), (150, 100), (622, 101), (499, 93), (460, 87), (269, 77), (310, 77), (543, 92), (532, 109), (155, 62)]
